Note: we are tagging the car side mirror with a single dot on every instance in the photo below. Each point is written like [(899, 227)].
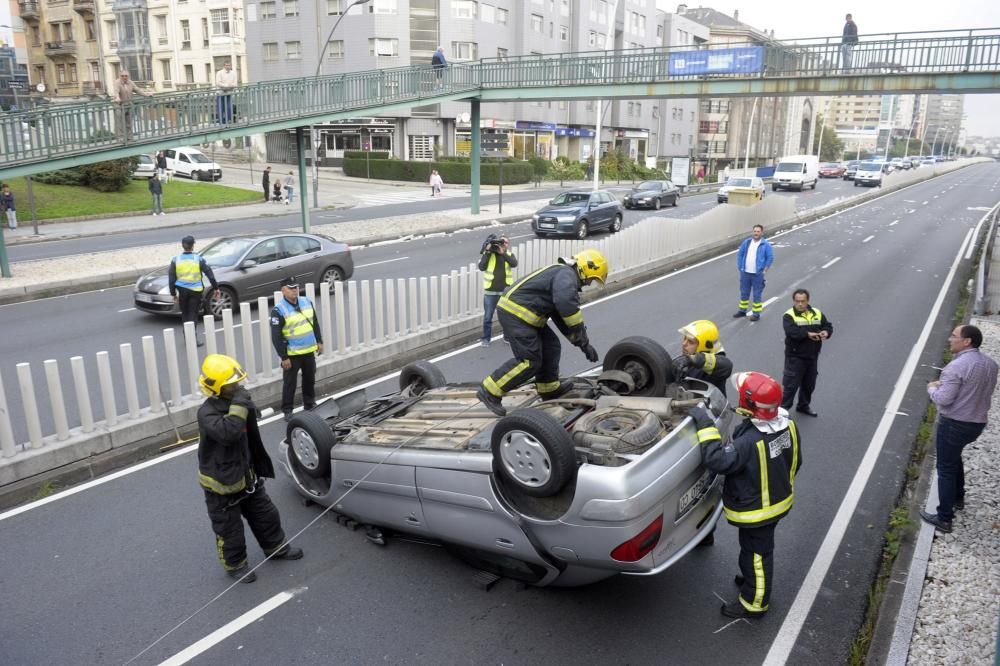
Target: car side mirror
[(552, 202), (248, 263)]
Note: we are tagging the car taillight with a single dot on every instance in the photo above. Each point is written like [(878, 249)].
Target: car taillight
[(641, 544)]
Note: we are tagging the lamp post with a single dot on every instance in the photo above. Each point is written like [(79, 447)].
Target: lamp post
[(864, 124), (934, 141), (316, 139)]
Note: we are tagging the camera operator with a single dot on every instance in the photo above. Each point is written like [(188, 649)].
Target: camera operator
[(496, 261)]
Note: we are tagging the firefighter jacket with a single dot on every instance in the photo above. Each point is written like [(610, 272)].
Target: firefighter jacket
[(798, 325), (760, 469), (712, 368), (188, 270), (552, 292), (231, 455), (495, 278), (294, 329)]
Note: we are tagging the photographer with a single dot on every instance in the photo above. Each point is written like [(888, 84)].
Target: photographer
[(496, 261)]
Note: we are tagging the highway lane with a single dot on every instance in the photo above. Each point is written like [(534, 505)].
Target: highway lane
[(84, 324), (98, 576)]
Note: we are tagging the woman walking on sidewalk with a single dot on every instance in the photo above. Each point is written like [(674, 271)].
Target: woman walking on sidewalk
[(156, 189), (7, 206), (436, 184), (290, 187)]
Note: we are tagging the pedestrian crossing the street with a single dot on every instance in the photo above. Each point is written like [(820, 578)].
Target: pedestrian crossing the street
[(404, 195)]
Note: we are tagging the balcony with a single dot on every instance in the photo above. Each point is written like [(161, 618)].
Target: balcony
[(91, 87), (84, 6), (29, 11), (60, 49)]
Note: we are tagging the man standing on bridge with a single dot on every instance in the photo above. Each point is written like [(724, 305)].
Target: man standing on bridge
[(125, 90), (186, 281), (232, 466), (806, 329), (849, 41), (225, 81), (753, 259)]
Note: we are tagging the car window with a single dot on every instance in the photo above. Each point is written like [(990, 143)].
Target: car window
[(668, 184), (171, 154), (739, 182), (266, 251), (184, 158), (226, 252), (296, 245), (200, 158)]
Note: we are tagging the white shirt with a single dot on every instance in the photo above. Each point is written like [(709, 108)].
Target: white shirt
[(224, 79), (751, 260)]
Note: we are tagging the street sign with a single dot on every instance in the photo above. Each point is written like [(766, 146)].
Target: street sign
[(495, 153), (15, 85), (494, 141)]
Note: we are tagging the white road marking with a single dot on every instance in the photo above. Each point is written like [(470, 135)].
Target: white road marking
[(831, 262), (769, 301), (376, 263), (924, 203), (521, 236), (868, 239), (975, 235), (893, 223), (783, 643), (127, 310), (224, 632)]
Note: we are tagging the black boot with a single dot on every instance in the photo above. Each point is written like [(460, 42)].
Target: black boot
[(563, 388), (492, 402), (736, 610), (288, 553), (238, 574)]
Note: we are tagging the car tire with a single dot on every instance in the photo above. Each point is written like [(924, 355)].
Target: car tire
[(419, 377), (310, 440), (814, 184), (582, 229), (227, 300), (331, 274), (533, 451), (774, 188), (195, 175), (855, 183), (648, 363), (628, 206), (676, 200), (657, 204), (540, 235), (616, 224)]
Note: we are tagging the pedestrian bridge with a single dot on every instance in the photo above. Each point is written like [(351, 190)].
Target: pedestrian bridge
[(60, 136)]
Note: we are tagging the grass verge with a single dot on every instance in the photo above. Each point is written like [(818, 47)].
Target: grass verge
[(59, 201)]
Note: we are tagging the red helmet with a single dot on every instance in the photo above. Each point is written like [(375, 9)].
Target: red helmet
[(759, 394)]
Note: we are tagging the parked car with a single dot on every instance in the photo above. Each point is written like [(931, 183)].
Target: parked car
[(652, 194), (192, 163), (796, 172), (250, 266), (831, 170), (900, 163), (870, 174), (850, 169), (914, 160), (146, 167), (929, 161), (722, 196), (606, 480), (577, 213)]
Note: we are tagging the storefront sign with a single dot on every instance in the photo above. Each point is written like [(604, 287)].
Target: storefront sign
[(530, 125), (744, 60)]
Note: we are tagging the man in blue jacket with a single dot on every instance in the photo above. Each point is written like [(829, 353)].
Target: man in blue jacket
[(753, 259)]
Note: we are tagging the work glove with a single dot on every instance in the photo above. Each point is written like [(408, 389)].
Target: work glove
[(242, 397), (682, 364), (701, 416), (591, 353)]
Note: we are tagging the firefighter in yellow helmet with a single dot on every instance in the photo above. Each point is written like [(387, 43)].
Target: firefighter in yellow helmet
[(552, 292), (232, 465), (702, 356)]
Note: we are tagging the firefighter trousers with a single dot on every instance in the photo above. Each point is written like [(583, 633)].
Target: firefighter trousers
[(536, 354), (227, 513), (799, 376), (756, 565)]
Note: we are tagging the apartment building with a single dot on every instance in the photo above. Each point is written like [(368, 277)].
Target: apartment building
[(63, 50), (940, 119), (677, 123)]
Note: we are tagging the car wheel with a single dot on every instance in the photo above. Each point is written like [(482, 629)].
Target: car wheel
[(676, 200), (331, 274), (195, 175), (855, 183), (646, 361), (420, 376), (774, 188), (310, 441), (541, 235), (534, 452), (223, 299), (629, 206), (616, 224), (814, 184), (582, 229), (657, 203)]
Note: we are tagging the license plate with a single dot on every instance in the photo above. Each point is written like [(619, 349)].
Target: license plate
[(694, 493), (546, 225), (143, 298)]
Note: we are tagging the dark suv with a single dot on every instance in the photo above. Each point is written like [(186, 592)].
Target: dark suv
[(577, 213)]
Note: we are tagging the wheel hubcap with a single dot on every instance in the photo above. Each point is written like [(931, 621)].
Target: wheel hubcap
[(224, 302), (305, 448), (639, 372), (525, 459)]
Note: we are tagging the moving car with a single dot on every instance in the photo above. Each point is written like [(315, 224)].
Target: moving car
[(146, 167), (796, 172), (192, 163), (850, 169), (652, 194), (577, 213), (832, 170), (250, 266), (869, 174), (607, 479), (722, 196), (900, 163)]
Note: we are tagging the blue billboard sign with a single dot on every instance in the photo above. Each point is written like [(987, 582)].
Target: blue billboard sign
[(742, 60)]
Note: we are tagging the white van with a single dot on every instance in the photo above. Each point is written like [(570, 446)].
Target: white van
[(192, 163), (796, 172), (870, 174)]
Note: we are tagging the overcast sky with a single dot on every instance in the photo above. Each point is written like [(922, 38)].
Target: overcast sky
[(822, 19)]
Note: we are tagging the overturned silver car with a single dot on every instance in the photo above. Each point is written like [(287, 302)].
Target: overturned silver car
[(605, 480)]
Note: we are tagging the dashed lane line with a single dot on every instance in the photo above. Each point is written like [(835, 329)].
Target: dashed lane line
[(868, 239), (831, 262)]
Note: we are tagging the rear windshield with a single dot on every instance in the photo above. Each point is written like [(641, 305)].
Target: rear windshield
[(739, 182)]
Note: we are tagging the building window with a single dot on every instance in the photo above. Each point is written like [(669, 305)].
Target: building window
[(383, 7), (487, 13), (291, 7), (189, 72), (502, 54), (204, 32), (378, 46), (659, 35), (656, 112), (185, 34), (464, 9), (465, 50), (333, 8), (592, 38), (293, 50), (335, 49), (270, 50), (165, 71), (36, 35), (502, 16), (537, 23), (60, 73), (220, 22), (563, 33), (602, 40), (421, 147), (268, 10), (90, 32)]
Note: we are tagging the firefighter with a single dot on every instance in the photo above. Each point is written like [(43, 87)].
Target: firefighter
[(552, 292), (806, 329), (760, 461), (186, 281), (702, 355), (232, 465)]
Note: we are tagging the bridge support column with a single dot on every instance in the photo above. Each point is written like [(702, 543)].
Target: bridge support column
[(300, 145), (474, 158)]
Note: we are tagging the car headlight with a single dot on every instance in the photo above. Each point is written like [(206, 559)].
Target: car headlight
[(566, 218), (535, 217), (164, 290)]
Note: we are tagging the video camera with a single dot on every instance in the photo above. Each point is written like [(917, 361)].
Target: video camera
[(492, 244)]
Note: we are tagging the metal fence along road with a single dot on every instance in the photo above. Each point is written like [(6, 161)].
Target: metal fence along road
[(39, 139)]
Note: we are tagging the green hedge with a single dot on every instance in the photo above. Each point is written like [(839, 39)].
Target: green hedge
[(452, 173), (374, 155)]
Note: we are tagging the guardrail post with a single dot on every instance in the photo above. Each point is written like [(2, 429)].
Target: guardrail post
[(366, 314), (229, 333), (82, 394), (30, 405), (191, 353), (56, 401), (152, 374), (391, 331), (107, 388), (264, 336), (128, 375), (431, 307), (246, 319), (453, 294), (311, 292), (401, 296), (325, 320), (414, 305), (7, 445), (379, 311), (339, 294), (173, 367), (352, 312), (210, 345)]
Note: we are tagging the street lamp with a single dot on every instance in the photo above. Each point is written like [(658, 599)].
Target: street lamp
[(316, 139), (934, 141)]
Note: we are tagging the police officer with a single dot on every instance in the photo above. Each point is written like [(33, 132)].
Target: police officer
[(186, 281), (552, 292), (495, 261), (296, 337), (806, 329), (702, 355), (760, 461), (232, 465)]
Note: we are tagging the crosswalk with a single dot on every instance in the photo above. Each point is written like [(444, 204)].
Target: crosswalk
[(403, 195)]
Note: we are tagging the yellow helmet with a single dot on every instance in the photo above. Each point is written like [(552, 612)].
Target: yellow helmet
[(591, 265), (705, 332), (219, 370)]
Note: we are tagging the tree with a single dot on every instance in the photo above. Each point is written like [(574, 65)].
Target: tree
[(832, 147), (112, 175)]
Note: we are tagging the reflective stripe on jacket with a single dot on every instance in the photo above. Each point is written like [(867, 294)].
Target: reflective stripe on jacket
[(550, 292), (231, 453), (298, 330), (187, 267), (797, 326), (490, 281)]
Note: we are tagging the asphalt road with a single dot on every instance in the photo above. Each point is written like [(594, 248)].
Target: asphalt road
[(102, 320), (98, 576)]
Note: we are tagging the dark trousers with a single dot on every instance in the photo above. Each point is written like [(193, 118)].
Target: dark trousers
[(800, 375), (224, 109), (190, 303), (752, 282), (227, 513), (489, 309), (267, 192), (952, 436), (757, 566), (536, 354), (307, 364)]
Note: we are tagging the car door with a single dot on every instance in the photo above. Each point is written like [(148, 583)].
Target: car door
[(302, 258), (609, 207), (263, 278), (599, 211)]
